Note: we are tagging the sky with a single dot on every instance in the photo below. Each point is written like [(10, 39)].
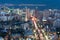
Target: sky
[(49, 3)]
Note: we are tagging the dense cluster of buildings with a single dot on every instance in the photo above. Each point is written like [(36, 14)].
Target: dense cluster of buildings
[(49, 15), (48, 18)]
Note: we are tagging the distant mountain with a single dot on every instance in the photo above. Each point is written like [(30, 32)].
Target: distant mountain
[(49, 3)]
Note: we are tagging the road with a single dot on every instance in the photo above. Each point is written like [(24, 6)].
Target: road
[(40, 32)]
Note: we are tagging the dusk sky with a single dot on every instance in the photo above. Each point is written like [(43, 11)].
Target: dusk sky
[(48, 3)]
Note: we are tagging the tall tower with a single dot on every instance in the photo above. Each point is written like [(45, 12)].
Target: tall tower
[(36, 13), (27, 14)]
